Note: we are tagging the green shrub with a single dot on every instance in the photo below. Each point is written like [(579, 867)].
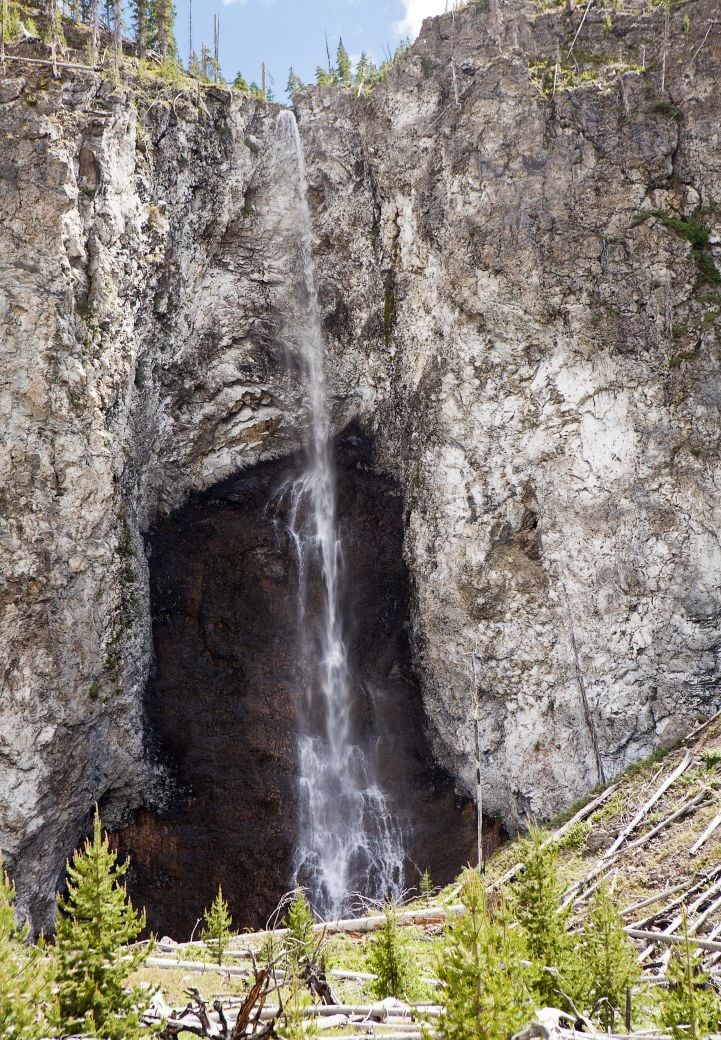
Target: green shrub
[(609, 959), (390, 959), (95, 923), (483, 969), (24, 975), (216, 932), (537, 898), (689, 1006)]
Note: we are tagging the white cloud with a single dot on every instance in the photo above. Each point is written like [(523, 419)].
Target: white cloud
[(416, 11)]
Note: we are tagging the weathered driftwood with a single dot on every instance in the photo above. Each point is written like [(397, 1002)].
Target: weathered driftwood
[(57, 65), (686, 891), (383, 1011), (648, 805), (643, 903), (716, 822), (683, 810), (580, 816), (167, 963), (674, 940)]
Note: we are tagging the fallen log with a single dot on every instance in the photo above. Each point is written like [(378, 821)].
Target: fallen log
[(674, 940), (716, 822), (57, 65), (683, 810), (167, 963), (652, 899), (580, 816), (648, 805)]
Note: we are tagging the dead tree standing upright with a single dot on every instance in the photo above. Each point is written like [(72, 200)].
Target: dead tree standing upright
[(118, 27)]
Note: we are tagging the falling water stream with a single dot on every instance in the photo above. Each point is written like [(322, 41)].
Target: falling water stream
[(349, 838)]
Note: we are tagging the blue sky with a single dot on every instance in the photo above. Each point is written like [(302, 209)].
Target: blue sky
[(291, 32)]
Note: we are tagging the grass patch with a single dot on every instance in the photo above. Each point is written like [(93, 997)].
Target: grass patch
[(693, 230)]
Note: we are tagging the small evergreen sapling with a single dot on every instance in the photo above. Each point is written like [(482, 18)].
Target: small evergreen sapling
[(689, 1006), (344, 68), (425, 886), (390, 959), (23, 975), (299, 921), (216, 932), (484, 974), (95, 923), (537, 898), (609, 959)]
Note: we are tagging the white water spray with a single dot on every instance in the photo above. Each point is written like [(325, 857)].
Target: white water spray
[(349, 839)]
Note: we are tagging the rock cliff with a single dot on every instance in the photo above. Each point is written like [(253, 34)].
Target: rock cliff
[(518, 263)]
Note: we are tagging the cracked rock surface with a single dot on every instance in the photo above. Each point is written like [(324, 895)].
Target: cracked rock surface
[(512, 306)]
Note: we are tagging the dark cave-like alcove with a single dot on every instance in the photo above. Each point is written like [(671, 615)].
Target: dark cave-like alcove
[(220, 704)]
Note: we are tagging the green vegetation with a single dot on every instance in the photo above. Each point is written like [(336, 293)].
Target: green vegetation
[(24, 975), (366, 74), (486, 986), (389, 958), (216, 933), (551, 75), (537, 897), (299, 921), (95, 924), (425, 886), (609, 959), (693, 229), (689, 1005)]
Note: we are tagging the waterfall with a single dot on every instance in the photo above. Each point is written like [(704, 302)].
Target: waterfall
[(349, 838)]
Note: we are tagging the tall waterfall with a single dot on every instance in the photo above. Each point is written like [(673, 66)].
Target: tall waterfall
[(349, 839)]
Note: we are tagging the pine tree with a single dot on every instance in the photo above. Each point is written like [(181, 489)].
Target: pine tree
[(216, 932), (343, 65), (537, 898), (163, 17), (140, 13), (299, 921), (24, 975), (689, 1006), (194, 69), (425, 885), (240, 83), (485, 981), (295, 83), (390, 959), (325, 78), (95, 923), (365, 71), (610, 964)]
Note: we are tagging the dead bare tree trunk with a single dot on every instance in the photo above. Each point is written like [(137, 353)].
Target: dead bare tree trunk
[(118, 44), (94, 16), (52, 15), (666, 30), (3, 8)]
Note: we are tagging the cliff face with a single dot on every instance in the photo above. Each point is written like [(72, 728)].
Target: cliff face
[(537, 359), (542, 361), (139, 362)]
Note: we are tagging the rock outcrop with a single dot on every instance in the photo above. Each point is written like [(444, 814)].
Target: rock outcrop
[(518, 257)]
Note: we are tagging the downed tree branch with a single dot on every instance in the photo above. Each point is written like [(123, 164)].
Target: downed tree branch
[(580, 816), (56, 65), (167, 963), (652, 899), (716, 822), (647, 806), (674, 940), (683, 810)]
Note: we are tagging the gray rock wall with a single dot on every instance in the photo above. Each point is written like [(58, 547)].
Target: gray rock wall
[(539, 367)]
